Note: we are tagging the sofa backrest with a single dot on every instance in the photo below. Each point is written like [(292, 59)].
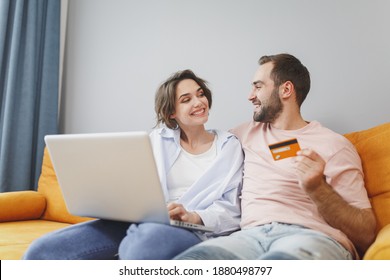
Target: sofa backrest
[(48, 186), (373, 146)]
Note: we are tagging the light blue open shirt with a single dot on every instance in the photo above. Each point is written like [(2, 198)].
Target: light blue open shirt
[(215, 195)]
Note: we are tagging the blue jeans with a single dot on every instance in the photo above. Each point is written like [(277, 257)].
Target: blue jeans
[(151, 241), (274, 241), (92, 240), (100, 240)]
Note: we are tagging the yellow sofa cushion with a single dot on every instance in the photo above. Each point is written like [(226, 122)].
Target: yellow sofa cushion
[(55, 205), (21, 205), (373, 146), (380, 249), (15, 237)]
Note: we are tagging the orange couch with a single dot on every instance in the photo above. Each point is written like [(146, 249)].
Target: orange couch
[(26, 215), (373, 146)]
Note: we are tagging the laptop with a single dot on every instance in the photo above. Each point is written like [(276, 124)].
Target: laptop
[(111, 176)]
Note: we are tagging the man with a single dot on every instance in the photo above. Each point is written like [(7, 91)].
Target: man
[(308, 205)]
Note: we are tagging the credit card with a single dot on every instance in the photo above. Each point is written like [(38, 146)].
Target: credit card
[(284, 149)]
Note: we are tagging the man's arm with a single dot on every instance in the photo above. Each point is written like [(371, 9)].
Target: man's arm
[(357, 224)]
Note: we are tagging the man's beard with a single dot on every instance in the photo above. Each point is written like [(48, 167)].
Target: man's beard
[(271, 110)]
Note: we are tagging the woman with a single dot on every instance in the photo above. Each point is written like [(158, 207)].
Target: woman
[(200, 171)]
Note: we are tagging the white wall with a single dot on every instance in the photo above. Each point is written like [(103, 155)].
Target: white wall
[(119, 51)]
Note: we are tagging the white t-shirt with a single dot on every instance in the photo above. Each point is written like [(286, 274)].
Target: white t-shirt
[(187, 169)]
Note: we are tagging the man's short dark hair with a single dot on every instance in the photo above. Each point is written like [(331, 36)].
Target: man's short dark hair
[(288, 68)]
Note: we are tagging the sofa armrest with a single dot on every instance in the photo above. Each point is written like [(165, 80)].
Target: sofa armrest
[(21, 205), (380, 249)]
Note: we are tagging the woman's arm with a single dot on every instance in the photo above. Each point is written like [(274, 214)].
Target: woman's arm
[(223, 190)]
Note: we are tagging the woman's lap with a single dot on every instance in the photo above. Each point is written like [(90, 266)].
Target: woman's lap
[(152, 241), (98, 239), (102, 239)]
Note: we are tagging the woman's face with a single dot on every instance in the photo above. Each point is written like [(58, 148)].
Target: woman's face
[(191, 105)]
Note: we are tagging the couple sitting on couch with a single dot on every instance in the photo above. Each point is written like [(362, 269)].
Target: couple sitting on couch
[(308, 205)]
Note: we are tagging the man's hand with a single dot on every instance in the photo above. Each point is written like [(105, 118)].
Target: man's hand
[(179, 213), (310, 169), (357, 224)]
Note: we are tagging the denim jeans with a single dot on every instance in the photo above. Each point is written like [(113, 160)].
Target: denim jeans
[(151, 241), (92, 240), (271, 241), (100, 240)]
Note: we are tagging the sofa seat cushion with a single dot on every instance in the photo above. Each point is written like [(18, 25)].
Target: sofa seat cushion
[(16, 236), (380, 250)]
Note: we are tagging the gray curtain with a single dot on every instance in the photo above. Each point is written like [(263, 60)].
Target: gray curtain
[(29, 70)]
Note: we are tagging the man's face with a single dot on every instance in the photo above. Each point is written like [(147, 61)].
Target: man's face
[(265, 96)]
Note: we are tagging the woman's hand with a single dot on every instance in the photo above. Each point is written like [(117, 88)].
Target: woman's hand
[(179, 213)]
